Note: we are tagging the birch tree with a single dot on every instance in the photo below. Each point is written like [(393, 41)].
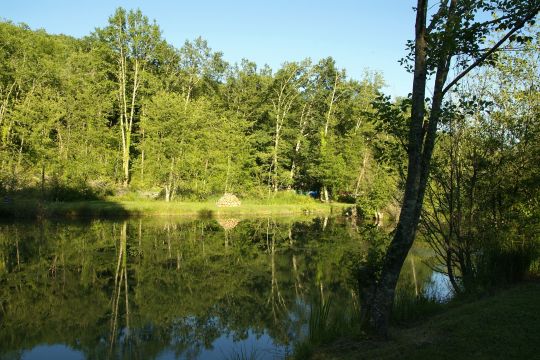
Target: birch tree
[(132, 40), (200, 66), (288, 84)]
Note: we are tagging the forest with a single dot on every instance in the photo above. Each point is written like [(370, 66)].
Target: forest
[(122, 108), (121, 113)]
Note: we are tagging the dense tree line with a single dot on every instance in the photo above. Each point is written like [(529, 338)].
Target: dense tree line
[(122, 108)]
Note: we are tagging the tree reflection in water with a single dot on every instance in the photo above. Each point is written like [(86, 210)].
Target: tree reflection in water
[(140, 289)]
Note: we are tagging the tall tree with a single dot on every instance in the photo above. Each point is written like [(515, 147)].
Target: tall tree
[(200, 68), (454, 29), (285, 91), (132, 40), (330, 88)]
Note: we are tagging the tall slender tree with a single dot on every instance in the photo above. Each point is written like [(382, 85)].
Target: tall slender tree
[(132, 40), (454, 29), (288, 84)]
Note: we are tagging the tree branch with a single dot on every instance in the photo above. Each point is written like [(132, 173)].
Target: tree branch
[(494, 48)]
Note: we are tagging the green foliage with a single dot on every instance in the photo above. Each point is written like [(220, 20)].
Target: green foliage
[(483, 199), (122, 108), (409, 307), (505, 264)]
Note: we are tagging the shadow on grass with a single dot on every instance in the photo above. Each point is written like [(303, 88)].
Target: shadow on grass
[(66, 203)]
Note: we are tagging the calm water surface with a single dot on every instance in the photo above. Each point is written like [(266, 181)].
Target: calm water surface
[(176, 288)]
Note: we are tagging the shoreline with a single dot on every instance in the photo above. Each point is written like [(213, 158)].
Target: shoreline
[(117, 208), (463, 330)]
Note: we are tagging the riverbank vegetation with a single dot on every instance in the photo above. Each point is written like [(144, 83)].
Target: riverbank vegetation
[(501, 326), (115, 208)]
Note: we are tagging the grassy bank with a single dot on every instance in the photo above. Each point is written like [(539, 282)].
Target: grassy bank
[(118, 208), (503, 326)]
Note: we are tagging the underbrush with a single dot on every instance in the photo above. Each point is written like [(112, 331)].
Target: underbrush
[(506, 264), (409, 307), (329, 323)]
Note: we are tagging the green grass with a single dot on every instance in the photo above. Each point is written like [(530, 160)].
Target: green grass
[(503, 326), (118, 208), (247, 208), (410, 307)]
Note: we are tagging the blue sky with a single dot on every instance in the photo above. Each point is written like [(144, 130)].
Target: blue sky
[(359, 35)]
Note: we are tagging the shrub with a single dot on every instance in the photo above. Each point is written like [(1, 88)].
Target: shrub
[(502, 264)]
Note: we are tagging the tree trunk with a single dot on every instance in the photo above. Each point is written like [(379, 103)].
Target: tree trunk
[(228, 173), (324, 194), (43, 181), (403, 238), (421, 144), (361, 173), (330, 105), (303, 122), (170, 186), (142, 158), (275, 184)]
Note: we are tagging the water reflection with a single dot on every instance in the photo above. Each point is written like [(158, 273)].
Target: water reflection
[(57, 352), (164, 289)]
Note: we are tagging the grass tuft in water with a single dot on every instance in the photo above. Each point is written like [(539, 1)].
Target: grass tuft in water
[(244, 354), (327, 324)]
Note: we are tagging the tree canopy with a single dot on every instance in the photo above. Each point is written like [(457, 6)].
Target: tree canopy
[(124, 109)]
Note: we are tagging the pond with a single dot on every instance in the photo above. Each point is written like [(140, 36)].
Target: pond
[(176, 288)]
